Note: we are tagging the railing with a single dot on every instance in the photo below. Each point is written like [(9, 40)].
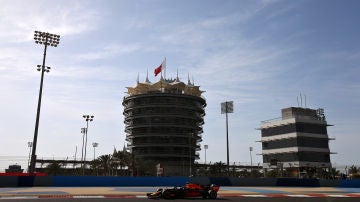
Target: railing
[(297, 117), (155, 153), (167, 144), (5, 161)]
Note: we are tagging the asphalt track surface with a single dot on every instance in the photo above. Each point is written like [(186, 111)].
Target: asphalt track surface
[(229, 199), (129, 194)]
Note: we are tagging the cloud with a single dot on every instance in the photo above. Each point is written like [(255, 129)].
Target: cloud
[(21, 18), (256, 54), (110, 51)]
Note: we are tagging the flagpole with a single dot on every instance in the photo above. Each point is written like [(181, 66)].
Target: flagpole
[(165, 68), (161, 82)]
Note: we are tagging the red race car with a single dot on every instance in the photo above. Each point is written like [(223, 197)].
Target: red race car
[(188, 191)]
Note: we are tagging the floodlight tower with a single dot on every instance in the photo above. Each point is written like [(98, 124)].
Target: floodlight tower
[(251, 164), (87, 119), (30, 144), (227, 107), (95, 144), (83, 132), (46, 39), (205, 148)]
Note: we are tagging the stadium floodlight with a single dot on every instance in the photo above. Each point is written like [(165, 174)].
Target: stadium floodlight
[(46, 39), (227, 107), (87, 119), (95, 144)]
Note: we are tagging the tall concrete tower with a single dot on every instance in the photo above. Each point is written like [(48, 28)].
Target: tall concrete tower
[(164, 126)]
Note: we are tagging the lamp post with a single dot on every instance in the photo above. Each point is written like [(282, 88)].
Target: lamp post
[(75, 157), (250, 149), (87, 119), (95, 144), (46, 39), (83, 132), (205, 148), (30, 144), (227, 107)]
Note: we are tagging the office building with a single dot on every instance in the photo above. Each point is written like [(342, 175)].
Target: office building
[(298, 139)]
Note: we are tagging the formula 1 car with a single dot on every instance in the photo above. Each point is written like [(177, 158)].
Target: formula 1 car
[(188, 191)]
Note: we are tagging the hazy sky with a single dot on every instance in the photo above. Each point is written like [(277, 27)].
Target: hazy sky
[(259, 54)]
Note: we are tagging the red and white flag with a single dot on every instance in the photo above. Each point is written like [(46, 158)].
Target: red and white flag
[(160, 68)]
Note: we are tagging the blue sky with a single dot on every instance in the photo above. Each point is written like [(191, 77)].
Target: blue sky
[(259, 54)]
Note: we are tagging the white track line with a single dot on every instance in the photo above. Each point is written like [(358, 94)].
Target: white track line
[(300, 195)]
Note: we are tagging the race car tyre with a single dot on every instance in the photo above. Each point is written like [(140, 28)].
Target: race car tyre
[(166, 194), (212, 194)]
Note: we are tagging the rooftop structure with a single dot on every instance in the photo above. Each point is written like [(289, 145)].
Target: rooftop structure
[(165, 86)]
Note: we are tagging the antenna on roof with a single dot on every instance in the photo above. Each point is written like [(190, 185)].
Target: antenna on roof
[(147, 76), (164, 67), (189, 83), (305, 100), (137, 80), (297, 99), (177, 75), (301, 100)]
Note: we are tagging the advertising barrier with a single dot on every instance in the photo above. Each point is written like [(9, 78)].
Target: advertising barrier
[(111, 181)]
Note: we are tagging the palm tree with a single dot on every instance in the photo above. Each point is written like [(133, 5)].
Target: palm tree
[(244, 173), (256, 173), (218, 169), (95, 166), (273, 173), (122, 160), (353, 169), (53, 168), (104, 163), (201, 171), (354, 172), (334, 173)]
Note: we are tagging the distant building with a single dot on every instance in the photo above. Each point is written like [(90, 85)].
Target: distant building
[(14, 169), (163, 125), (298, 139)]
